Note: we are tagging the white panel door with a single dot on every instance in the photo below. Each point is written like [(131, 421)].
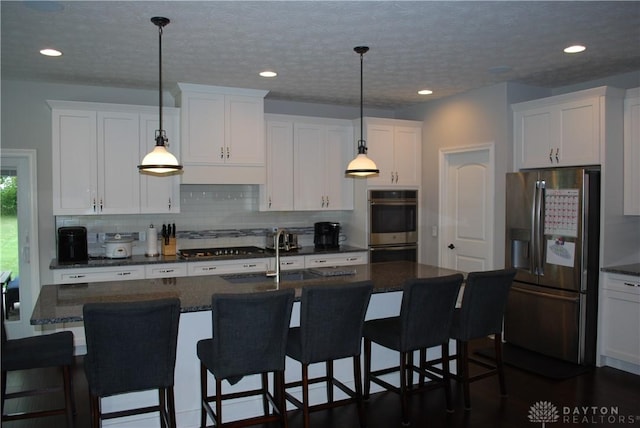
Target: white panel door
[(118, 152), (244, 130), (279, 188), (467, 211), (381, 151), (75, 161), (309, 169)]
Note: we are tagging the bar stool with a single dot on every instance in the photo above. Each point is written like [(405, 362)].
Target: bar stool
[(249, 337), (425, 318), (484, 301), (131, 347), (37, 352), (331, 320)]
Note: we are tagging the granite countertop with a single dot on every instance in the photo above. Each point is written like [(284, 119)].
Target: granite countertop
[(63, 303), (144, 260), (631, 269)]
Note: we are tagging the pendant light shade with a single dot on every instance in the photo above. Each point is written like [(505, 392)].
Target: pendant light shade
[(160, 160), (361, 166)]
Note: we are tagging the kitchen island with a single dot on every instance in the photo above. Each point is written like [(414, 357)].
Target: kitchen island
[(58, 305)]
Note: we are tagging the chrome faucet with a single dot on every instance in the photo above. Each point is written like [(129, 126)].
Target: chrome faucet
[(276, 245)]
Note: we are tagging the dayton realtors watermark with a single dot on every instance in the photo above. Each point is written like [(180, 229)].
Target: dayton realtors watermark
[(545, 412)]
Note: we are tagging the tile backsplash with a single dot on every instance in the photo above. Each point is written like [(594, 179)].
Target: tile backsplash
[(211, 216)]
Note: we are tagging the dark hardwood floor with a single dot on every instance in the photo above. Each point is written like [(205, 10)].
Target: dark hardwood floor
[(605, 388)]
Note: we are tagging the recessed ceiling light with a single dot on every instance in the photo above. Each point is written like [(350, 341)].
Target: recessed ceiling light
[(268, 73), (425, 92), (51, 52), (574, 49)]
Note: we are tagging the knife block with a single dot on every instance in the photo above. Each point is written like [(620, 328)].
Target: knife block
[(170, 248)]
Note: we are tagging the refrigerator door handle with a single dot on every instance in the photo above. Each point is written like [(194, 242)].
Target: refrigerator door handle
[(538, 228), (541, 294)]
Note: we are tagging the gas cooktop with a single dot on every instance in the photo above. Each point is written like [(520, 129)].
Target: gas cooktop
[(219, 253)]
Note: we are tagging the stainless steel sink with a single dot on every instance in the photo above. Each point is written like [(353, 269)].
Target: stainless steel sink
[(298, 275)]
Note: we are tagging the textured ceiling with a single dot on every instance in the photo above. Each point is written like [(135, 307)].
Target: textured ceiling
[(449, 47)]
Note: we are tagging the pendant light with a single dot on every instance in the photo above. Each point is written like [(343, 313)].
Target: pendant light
[(361, 166), (160, 161)]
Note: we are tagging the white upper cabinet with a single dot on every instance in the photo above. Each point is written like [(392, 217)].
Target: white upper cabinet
[(396, 148), (632, 152), (306, 159), (277, 193), (222, 135), (95, 152), (321, 153), (564, 130)]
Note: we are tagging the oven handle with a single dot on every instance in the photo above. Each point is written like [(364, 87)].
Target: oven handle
[(394, 248), (393, 202)]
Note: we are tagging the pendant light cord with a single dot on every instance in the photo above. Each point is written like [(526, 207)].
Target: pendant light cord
[(160, 77), (361, 142)]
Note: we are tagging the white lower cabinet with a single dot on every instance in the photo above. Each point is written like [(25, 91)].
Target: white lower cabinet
[(620, 326), (340, 259), (227, 266), (96, 274), (165, 270)]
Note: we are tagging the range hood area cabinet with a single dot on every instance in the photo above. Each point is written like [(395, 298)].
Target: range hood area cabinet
[(95, 152), (222, 134), (565, 130), (396, 147), (306, 159)]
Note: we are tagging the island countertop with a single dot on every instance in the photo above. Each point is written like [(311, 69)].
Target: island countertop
[(63, 303)]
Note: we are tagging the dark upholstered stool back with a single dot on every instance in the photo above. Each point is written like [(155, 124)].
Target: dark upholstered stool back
[(51, 350), (331, 320), (131, 347), (249, 332), (249, 337), (426, 314), (483, 304)]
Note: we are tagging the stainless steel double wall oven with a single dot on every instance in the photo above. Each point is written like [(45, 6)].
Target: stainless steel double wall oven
[(393, 225)]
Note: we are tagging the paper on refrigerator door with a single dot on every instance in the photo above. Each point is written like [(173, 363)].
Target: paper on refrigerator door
[(560, 252)]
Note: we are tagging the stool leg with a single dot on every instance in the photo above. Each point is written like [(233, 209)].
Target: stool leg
[(280, 397), (464, 373), (357, 377), (305, 394), (95, 410), (203, 395), (423, 365), (329, 365), (218, 402), (445, 376), (4, 389), (68, 395), (367, 368), (172, 407), (403, 388), (162, 404), (499, 364), (265, 391)]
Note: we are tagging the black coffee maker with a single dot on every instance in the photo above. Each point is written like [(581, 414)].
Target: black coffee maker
[(326, 235), (72, 245)]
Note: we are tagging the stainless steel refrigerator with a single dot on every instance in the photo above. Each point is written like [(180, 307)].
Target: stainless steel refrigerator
[(552, 239)]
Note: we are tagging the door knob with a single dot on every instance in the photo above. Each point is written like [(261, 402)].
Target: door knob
[(451, 246)]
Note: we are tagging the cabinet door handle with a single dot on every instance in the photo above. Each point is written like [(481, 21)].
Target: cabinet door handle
[(101, 205), (269, 201), (631, 284), (322, 201), (557, 152), (221, 152), (551, 155), (249, 265), (169, 204), (94, 204), (123, 273), (228, 153), (392, 177), (327, 201), (396, 177)]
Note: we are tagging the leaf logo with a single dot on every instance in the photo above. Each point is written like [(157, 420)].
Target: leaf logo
[(543, 411)]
